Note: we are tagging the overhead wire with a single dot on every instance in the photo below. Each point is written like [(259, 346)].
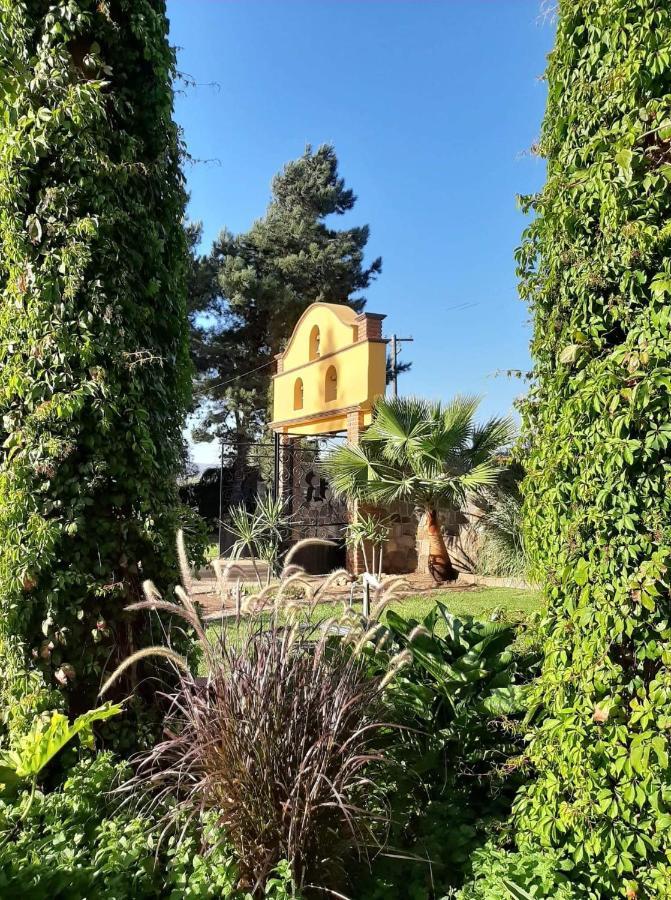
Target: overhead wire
[(265, 365)]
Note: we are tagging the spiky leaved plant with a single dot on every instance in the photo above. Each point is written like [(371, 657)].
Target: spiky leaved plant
[(372, 532), (259, 533), (502, 550)]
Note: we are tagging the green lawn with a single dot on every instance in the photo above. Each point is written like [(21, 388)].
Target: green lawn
[(481, 603)]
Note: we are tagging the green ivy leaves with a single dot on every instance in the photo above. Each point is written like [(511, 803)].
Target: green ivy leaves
[(596, 268), (94, 370)]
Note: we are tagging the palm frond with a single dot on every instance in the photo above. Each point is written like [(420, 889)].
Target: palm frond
[(482, 475), (420, 453), (491, 437), (398, 424), (349, 471), (456, 422)]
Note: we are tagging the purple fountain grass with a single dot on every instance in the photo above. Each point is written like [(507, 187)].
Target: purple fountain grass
[(278, 739)]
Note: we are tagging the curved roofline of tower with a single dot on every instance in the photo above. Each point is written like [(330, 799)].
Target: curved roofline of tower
[(344, 313)]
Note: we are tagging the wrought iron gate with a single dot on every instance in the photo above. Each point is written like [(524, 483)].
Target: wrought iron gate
[(307, 494), (287, 467), (312, 509)]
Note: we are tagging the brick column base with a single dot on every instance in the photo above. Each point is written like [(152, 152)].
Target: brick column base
[(355, 563)]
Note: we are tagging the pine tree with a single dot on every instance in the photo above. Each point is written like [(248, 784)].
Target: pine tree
[(94, 369)]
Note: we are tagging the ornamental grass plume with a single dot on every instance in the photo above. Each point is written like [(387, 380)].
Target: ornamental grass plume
[(278, 740)]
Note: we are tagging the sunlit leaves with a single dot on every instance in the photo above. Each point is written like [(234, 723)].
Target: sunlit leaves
[(596, 268)]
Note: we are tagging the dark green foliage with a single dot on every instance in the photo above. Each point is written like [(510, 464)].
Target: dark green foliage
[(248, 294), (460, 701), (94, 371), (501, 527), (76, 843), (596, 269)]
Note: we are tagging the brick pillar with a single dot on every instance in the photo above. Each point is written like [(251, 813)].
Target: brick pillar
[(355, 563), (369, 326), (354, 426)]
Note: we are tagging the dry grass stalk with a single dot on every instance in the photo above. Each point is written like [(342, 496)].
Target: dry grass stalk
[(398, 662), (184, 567), (165, 652), (298, 578), (418, 631), (331, 579), (223, 574), (306, 542), (292, 569)]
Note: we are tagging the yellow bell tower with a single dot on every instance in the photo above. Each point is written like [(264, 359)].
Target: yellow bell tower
[(331, 372)]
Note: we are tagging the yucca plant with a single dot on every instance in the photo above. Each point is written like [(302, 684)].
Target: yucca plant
[(371, 531), (277, 739), (259, 533)]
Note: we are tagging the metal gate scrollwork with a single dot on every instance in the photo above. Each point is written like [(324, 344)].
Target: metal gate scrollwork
[(307, 494)]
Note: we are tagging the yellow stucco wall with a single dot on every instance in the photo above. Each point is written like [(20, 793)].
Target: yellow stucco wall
[(337, 329), (359, 365)]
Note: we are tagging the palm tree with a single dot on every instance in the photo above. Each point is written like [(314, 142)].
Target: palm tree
[(430, 455)]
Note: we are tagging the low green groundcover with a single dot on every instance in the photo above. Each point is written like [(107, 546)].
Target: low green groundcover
[(77, 843)]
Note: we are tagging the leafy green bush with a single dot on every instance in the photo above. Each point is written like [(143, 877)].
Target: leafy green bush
[(76, 842), (459, 700), (596, 269), (94, 369), (47, 737), (516, 876)]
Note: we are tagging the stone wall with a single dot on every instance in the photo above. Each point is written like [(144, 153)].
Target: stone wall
[(408, 547), (400, 552)]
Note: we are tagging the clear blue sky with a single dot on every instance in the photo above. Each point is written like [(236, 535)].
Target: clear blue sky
[(432, 106)]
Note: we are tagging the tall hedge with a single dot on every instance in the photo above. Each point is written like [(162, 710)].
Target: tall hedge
[(596, 270), (94, 371)]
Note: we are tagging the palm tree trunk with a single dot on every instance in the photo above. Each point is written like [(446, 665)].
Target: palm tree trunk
[(440, 564)]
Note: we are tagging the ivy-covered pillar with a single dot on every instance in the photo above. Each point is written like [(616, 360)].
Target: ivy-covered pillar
[(596, 270), (94, 370)]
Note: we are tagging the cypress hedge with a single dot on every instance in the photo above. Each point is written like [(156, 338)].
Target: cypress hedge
[(94, 369)]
